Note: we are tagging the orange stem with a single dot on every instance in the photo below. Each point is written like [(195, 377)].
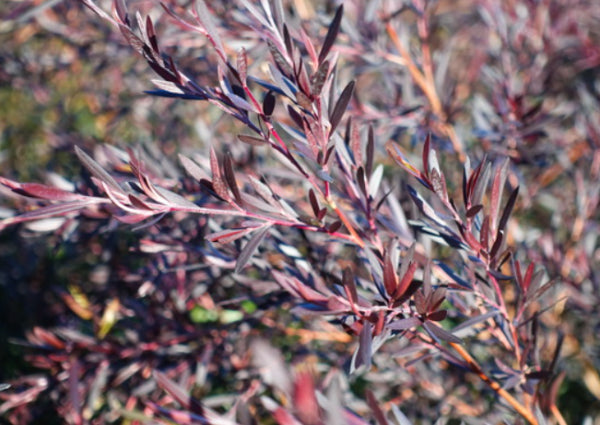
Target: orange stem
[(475, 368)]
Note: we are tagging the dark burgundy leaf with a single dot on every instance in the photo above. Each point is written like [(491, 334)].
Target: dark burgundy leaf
[(437, 316), (269, 104), (332, 33), (370, 151), (296, 117), (229, 176), (426, 150), (314, 203), (334, 227), (288, 41), (360, 178), (340, 106), (508, 209), (472, 212)]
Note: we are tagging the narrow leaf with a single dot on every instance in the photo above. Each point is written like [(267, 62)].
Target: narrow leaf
[(250, 247), (251, 140), (508, 209), (96, 170), (370, 151), (340, 106), (230, 178), (181, 395), (332, 33)]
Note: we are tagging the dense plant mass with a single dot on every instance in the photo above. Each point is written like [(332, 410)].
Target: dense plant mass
[(376, 212)]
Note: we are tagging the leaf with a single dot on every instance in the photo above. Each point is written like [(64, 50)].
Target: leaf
[(390, 278), (377, 412), (280, 60), (405, 281), (42, 191), (318, 79), (250, 247), (178, 393), (332, 33), (349, 285), (440, 334), (497, 186), (251, 140), (314, 203), (481, 183), (269, 103), (192, 168), (404, 324), (340, 106), (395, 152), (217, 179), (370, 151), (204, 17), (96, 170), (230, 178), (472, 212), (242, 65), (508, 208), (426, 152), (362, 355)]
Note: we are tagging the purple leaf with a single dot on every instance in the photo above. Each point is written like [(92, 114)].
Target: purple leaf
[(440, 334), (340, 106), (332, 33), (251, 246), (97, 171), (181, 395)]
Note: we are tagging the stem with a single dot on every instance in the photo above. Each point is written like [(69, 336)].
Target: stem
[(475, 368), (427, 85)]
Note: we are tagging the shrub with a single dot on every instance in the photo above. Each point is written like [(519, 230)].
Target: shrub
[(357, 242)]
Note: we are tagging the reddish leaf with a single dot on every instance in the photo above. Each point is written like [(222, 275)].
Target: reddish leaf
[(390, 278), (379, 415), (42, 191), (181, 395), (405, 281)]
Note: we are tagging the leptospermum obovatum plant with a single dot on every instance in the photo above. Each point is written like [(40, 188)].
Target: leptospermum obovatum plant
[(394, 292)]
